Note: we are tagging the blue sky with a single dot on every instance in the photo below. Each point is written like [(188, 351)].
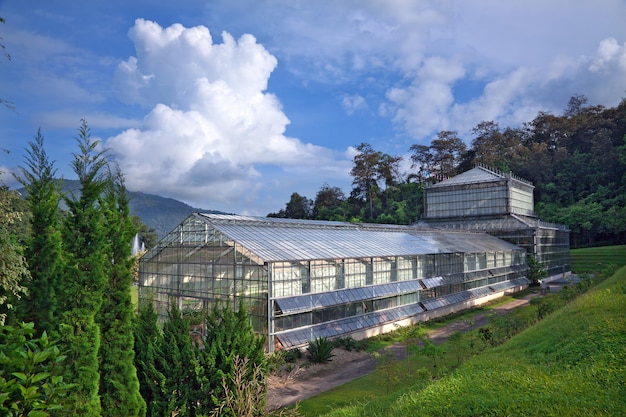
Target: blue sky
[(234, 105)]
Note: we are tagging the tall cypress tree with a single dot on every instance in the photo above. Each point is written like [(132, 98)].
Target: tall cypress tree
[(43, 247), (80, 296), (149, 361), (119, 386), (179, 364)]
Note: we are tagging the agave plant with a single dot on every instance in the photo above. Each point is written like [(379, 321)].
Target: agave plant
[(320, 350)]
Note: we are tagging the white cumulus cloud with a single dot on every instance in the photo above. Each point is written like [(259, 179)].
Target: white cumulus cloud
[(211, 127)]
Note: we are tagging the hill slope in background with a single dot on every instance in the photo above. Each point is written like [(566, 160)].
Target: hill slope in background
[(159, 213)]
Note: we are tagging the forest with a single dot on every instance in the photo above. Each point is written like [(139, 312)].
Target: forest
[(576, 161)]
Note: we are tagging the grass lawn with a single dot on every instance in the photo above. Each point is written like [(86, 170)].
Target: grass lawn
[(134, 295), (594, 259)]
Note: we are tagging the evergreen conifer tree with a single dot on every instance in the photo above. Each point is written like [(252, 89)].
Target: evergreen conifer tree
[(229, 335), (179, 365), (149, 360), (43, 247), (80, 297), (119, 386)]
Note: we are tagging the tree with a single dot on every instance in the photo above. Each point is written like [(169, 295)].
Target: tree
[(298, 207), (44, 244), (410, 336), (389, 169), (536, 270), (119, 386), (448, 150), (386, 363), (365, 172), (456, 340), (84, 281), (180, 366), (575, 106), (423, 159), (497, 148), (147, 235), (229, 334), (149, 361), (327, 202), (439, 160), (13, 267), (433, 351)]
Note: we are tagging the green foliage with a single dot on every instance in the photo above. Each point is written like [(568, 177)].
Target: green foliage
[(149, 361), (386, 364), (320, 350), (43, 246), (244, 393), (292, 355), (180, 377), (456, 345), (432, 350), (30, 379), (119, 386), (547, 305), (85, 274), (179, 365), (536, 270), (13, 267), (597, 259), (229, 334), (348, 343)]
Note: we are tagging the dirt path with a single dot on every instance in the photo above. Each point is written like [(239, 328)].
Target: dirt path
[(308, 381)]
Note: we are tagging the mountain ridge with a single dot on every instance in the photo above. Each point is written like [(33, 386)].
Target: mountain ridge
[(159, 213)]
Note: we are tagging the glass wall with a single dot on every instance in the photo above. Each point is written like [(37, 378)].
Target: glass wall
[(462, 201), (197, 266), (521, 199), (349, 290)]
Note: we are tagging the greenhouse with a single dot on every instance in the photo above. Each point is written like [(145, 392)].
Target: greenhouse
[(500, 204), (305, 279)]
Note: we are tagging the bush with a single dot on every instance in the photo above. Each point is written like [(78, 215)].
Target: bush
[(30, 381), (320, 350), (292, 355), (348, 343)]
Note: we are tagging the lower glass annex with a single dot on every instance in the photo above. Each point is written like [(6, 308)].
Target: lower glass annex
[(291, 298)]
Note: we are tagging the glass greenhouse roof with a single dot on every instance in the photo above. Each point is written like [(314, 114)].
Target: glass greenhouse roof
[(509, 222), (477, 175), (275, 240)]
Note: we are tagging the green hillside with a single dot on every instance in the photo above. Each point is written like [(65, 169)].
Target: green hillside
[(572, 363), (594, 259)]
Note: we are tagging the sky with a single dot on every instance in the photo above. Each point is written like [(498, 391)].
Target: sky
[(233, 105)]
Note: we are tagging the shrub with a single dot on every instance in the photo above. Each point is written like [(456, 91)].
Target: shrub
[(292, 355), (30, 381), (348, 343), (320, 350)]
